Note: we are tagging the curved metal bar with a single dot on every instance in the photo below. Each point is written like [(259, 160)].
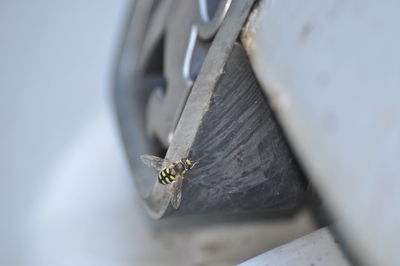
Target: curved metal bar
[(207, 26)]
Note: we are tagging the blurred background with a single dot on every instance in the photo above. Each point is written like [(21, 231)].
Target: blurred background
[(56, 69)]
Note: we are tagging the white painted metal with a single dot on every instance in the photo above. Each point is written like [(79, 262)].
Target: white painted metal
[(317, 248), (331, 70)]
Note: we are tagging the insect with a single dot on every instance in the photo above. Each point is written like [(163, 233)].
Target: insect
[(170, 172)]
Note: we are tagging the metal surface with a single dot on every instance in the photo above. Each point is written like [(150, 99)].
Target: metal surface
[(175, 24), (136, 75), (207, 23), (331, 71), (317, 248), (244, 162)]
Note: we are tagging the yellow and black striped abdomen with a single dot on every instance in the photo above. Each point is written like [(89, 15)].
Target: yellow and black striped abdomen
[(167, 176)]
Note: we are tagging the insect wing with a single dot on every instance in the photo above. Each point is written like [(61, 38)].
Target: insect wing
[(156, 162), (177, 192)]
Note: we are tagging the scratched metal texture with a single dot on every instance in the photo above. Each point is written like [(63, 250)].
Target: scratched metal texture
[(245, 163)]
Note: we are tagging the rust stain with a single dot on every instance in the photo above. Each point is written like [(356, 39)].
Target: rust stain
[(250, 29), (246, 38)]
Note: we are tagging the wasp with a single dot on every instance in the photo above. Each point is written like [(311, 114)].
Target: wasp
[(170, 172)]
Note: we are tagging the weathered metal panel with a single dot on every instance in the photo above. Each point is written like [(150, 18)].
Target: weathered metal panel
[(332, 72)]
